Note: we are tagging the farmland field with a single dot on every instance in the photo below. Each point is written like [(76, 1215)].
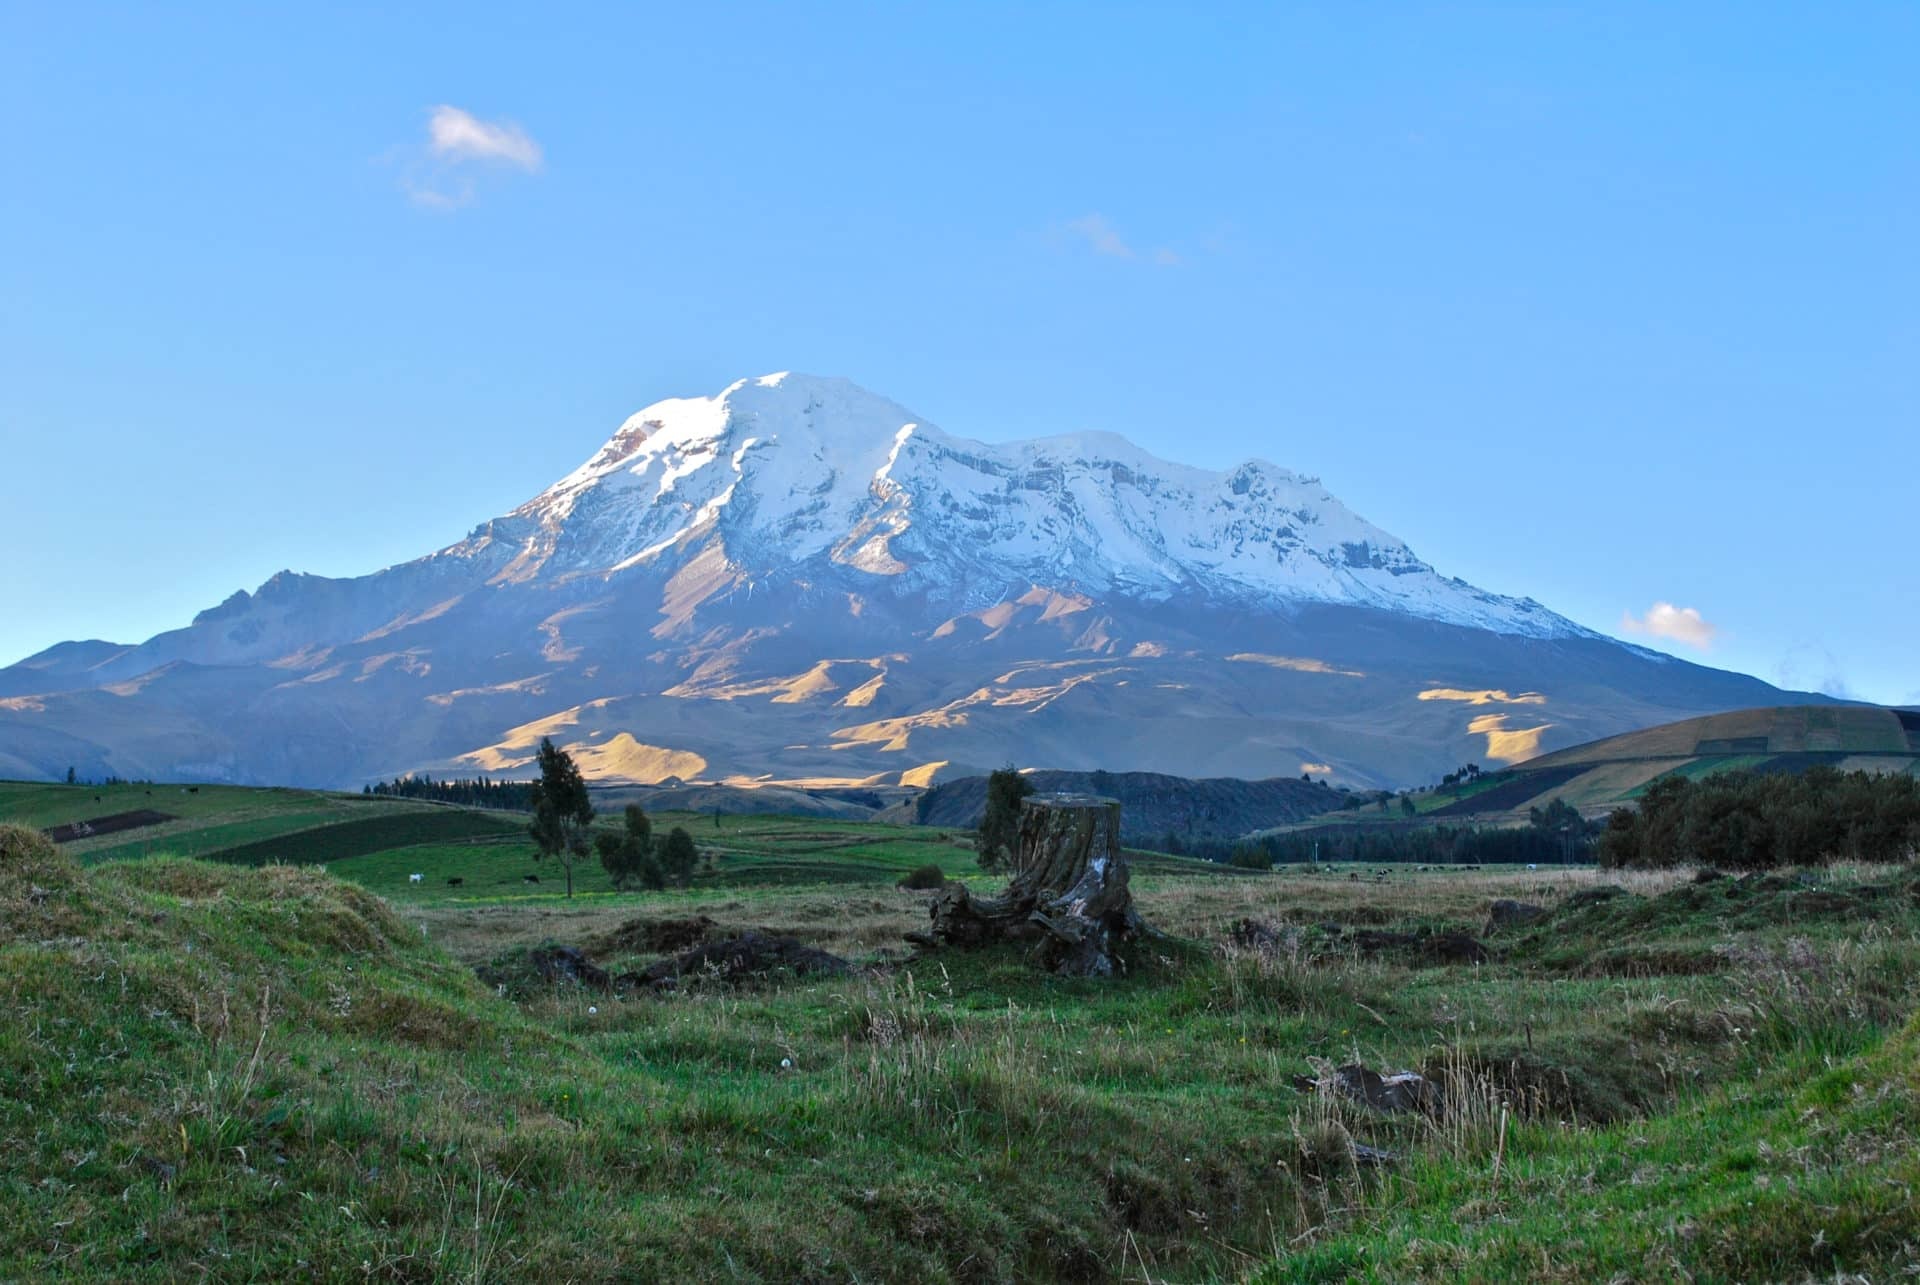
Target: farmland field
[(322, 1087)]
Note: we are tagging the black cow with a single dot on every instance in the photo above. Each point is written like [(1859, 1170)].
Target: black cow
[(529, 878), (455, 882)]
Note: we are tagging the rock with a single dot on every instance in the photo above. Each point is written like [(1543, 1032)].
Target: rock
[(1507, 913), (1397, 1091)]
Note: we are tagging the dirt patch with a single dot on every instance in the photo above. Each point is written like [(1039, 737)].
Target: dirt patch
[(113, 823)]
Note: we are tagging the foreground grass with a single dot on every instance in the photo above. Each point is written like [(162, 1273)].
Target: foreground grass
[(1805, 1171), (208, 1070)]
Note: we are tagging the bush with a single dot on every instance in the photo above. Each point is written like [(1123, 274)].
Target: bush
[(1748, 821), (927, 876), (1000, 827)]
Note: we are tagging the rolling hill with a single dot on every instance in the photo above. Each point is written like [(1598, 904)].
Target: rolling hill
[(1604, 774)]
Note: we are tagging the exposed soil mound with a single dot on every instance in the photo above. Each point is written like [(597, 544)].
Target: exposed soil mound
[(531, 970), (752, 954), (654, 936), (1443, 947), (1507, 913)]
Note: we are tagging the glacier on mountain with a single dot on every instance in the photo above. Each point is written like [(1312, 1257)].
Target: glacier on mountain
[(791, 471)]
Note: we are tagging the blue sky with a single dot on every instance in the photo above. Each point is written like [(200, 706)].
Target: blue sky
[(1611, 305)]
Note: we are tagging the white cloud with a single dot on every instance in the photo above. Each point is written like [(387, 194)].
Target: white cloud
[(1681, 624), (444, 174), (1100, 236), (462, 136)]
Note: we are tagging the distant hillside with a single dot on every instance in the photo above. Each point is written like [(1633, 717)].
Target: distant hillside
[(1153, 805), (1604, 774)]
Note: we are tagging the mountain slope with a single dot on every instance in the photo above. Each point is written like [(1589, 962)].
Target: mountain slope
[(796, 579)]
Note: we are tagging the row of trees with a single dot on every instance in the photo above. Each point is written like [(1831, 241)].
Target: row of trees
[(1746, 821), (477, 792), (1545, 842), (563, 821)]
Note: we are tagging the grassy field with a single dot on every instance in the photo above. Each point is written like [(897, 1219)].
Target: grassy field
[(218, 1070)]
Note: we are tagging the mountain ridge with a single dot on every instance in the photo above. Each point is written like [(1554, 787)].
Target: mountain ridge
[(798, 580)]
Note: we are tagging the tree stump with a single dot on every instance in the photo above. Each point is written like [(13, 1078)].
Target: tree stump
[(1068, 895)]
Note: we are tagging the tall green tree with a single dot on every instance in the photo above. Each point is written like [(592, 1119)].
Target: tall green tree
[(679, 855), (1000, 826), (561, 809), (628, 856)]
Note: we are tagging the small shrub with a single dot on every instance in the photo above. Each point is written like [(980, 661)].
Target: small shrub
[(924, 877)]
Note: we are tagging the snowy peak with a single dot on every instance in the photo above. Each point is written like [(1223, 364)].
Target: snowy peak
[(792, 475)]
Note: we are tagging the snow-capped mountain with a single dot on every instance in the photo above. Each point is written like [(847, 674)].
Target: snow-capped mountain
[(792, 469), (798, 579)]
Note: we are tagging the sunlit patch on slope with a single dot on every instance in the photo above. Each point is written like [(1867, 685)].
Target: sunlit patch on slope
[(622, 758), (516, 747), (1299, 664), (1507, 744), (1012, 690), (1486, 696), (924, 776), (306, 658), (1051, 604), (408, 662), (705, 575), (408, 619), (533, 685), (859, 679)]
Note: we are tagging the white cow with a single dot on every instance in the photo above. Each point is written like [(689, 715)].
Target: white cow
[(413, 878)]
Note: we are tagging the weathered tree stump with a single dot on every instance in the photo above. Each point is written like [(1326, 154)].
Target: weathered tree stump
[(1068, 895)]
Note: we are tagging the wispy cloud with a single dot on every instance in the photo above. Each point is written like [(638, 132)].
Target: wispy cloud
[(462, 136), (1102, 237), (1681, 624), (445, 173), (1810, 667)]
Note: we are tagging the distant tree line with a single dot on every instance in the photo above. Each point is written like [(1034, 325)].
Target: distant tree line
[(478, 792), (1749, 821), (1555, 834)]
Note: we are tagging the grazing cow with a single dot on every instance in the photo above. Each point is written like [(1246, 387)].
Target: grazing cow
[(413, 878), (455, 882), (529, 878)]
